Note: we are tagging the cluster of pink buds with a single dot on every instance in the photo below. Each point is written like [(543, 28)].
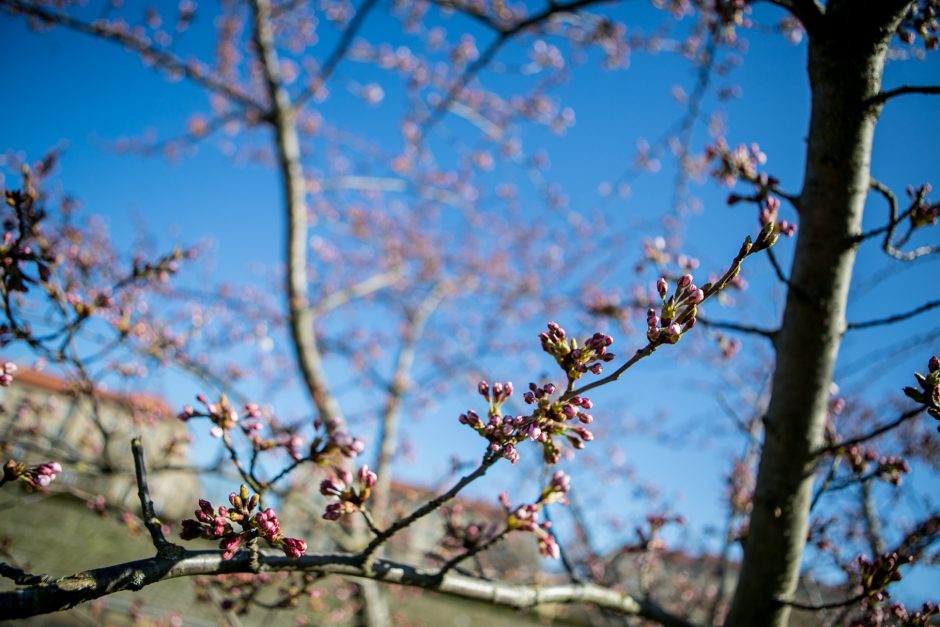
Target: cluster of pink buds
[(350, 498), (575, 360), (218, 525), (923, 212), (331, 439), (162, 268), (678, 311), (890, 468), (6, 373), (222, 414), (501, 393), (733, 164), (36, 477), (876, 575), (929, 393), (897, 614), (549, 418), (526, 517)]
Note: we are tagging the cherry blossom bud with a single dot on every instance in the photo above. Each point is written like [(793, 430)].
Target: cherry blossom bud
[(294, 547), (697, 296), (685, 281), (662, 287), (367, 478)]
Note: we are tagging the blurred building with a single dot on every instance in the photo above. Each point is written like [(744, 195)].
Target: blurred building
[(46, 418)]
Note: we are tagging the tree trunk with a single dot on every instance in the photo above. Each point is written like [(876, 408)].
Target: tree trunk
[(847, 50)]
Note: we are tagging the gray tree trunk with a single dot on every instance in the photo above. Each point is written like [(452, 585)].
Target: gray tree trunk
[(847, 47)]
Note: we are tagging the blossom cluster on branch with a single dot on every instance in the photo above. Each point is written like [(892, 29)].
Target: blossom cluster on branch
[(212, 524)]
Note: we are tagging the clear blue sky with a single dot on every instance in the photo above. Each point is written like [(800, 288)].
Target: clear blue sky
[(64, 87)]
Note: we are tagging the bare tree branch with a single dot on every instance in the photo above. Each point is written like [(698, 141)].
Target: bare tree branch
[(154, 526), (505, 34), (337, 55), (734, 326), (874, 433), (283, 118), (163, 59), (904, 90), (894, 220), (81, 587), (388, 440), (851, 326)]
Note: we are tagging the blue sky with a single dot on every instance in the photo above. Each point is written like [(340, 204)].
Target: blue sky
[(87, 93)]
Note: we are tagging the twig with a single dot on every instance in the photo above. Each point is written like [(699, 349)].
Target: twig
[(883, 96), (471, 552), (734, 326), (832, 448), (895, 318), (873, 525), (153, 524), (777, 269), (505, 34), (20, 577), (161, 58), (822, 606), (365, 556), (646, 351), (357, 290), (337, 55), (396, 391), (893, 220), (369, 521)]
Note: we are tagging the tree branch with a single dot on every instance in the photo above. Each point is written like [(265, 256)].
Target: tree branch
[(163, 59), (301, 314), (734, 326), (153, 524), (85, 586), (390, 412), (904, 90), (366, 555), (505, 34), (337, 55), (851, 326), (893, 220), (874, 433)]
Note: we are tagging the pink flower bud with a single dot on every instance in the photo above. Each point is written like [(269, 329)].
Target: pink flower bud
[(294, 547), (685, 281), (662, 287), (367, 478)]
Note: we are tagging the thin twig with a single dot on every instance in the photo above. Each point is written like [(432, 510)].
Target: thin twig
[(366, 555), (895, 318), (337, 55), (874, 433), (161, 58), (904, 90), (471, 552), (151, 522), (734, 326)]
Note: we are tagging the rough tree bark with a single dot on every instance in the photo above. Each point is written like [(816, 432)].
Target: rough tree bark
[(848, 42)]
